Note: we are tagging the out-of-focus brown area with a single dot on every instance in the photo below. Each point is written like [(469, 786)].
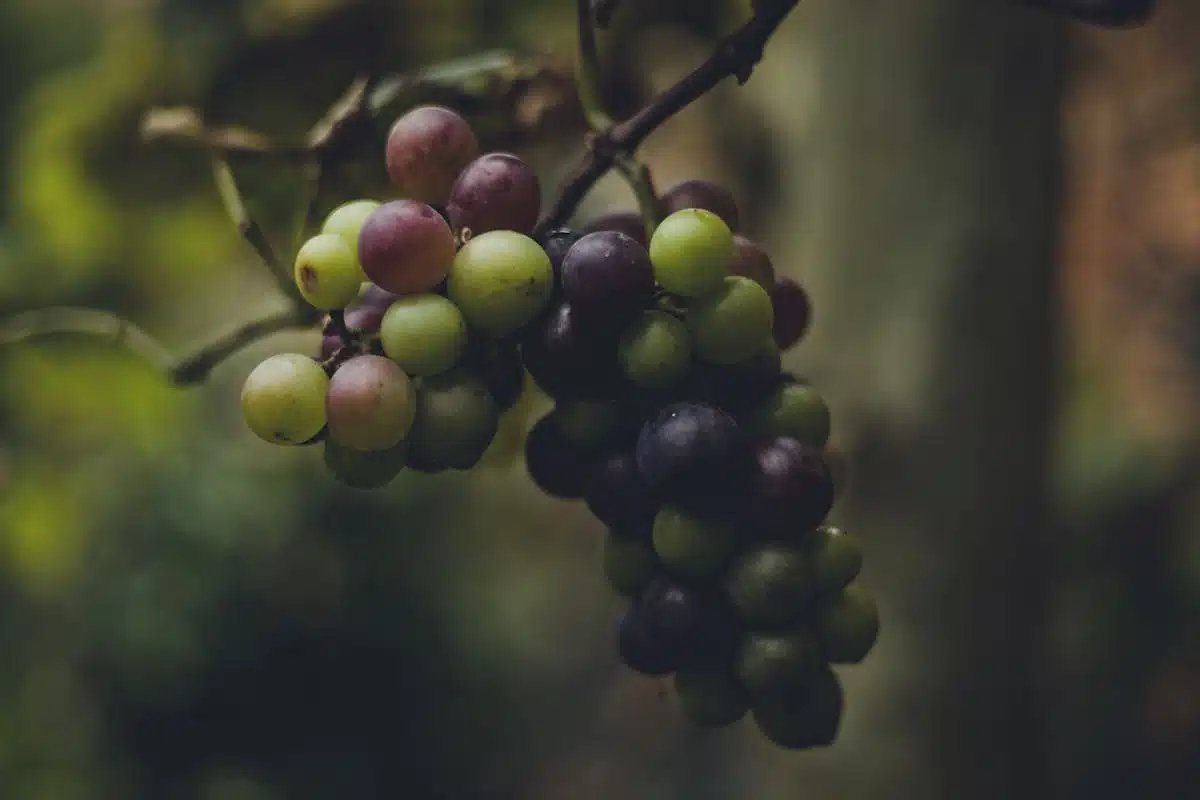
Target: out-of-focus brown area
[(997, 215)]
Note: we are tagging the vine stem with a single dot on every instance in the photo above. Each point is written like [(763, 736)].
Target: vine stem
[(735, 56)]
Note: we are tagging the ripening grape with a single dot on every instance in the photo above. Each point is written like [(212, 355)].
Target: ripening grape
[(692, 545), (558, 467), (326, 272), (363, 318), (629, 564), (495, 192), (569, 359), (692, 455), (771, 585), (700, 194), (791, 490), (848, 625), (774, 663), (836, 558), (425, 334), (370, 404), (806, 717), (426, 150), (500, 281), (711, 697), (656, 350), (615, 491), (692, 252), (793, 410), (283, 399), (793, 312), (607, 277), (360, 469), (405, 247), (729, 325), (456, 420), (640, 648), (347, 221), (751, 261), (629, 222)]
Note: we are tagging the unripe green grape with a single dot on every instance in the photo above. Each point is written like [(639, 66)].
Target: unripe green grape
[(730, 324), (836, 558), (500, 280), (425, 334), (283, 399), (327, 272), (691, 251), (711, 698), (655, 351), (586, 423), (364, 470), (848, 626), (779, 662), (691, 545), (771, 585), (347, 222), (370, 404), (456, 420), (629, 564), (807, 717), (794, 410)]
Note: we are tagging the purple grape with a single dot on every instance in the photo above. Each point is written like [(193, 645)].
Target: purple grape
[(498, 362), (497, 191), (631, 223), (750, 260), (427, 149), (556, 244), (607, 276), (640, 649), (793, 312), (702, 194), (405, 247), (557, 467), (694, 455), (696, 623), (791, 489), (616, 493), (567, 359)]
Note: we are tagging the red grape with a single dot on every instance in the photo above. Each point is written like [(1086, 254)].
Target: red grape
[(370, 404), (792, 312), (751, 261), (497, 191), (427, 148), (702, 194), (406, 247)]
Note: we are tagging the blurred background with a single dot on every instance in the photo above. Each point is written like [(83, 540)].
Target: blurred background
[(998, 218)]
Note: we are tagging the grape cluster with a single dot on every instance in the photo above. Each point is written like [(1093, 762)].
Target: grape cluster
[(672, 417)]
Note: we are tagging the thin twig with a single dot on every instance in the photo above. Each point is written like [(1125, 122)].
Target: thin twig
[(736, 55), (587, 69)]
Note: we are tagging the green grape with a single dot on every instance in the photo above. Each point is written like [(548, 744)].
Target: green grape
[(656, 350), (794, 410), (690, 545), (771, 585), (692, 251), (347, 221), (283, 399), (778, 662), (364, 470), (711, 698), (629, 564), (848, 626), (371, 404), (327, 272), (836, 558), (730, 325), (500, 280), (424, 333), (456, 421), (806, 717), (587, 423)]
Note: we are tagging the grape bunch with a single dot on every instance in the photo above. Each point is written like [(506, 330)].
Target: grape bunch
[(672, 417)]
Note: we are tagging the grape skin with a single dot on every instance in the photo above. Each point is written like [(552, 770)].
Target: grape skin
[(793, 312), (427, 148), (701, 194), (495, 192), (364, 470), (556, 466), (456, 420), (750, 260), (405, 247), (425, 334), (656, 350), (500, 281), (607, 277), (731, 324), (283, 399), (327, 273), (692, 252), (370, 404)]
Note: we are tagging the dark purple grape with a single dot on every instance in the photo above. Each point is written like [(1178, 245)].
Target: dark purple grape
[(616, 492), (557, 467), (631, 223), (1105, 13), (607, 277), (696, 623), (738, 387), (569, 360), (640, 649), (702, 194), (751, 261), (427, 148), (496, 192), (791, 489), (498, 363), (638, 528), (405, 247), (793, 311), (693, 455), (556, 244)]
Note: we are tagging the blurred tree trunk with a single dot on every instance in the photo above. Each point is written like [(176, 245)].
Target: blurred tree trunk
[(933, 261)]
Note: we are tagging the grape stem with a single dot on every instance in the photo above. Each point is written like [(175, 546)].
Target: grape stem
[(110, 328), (735, 56)]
